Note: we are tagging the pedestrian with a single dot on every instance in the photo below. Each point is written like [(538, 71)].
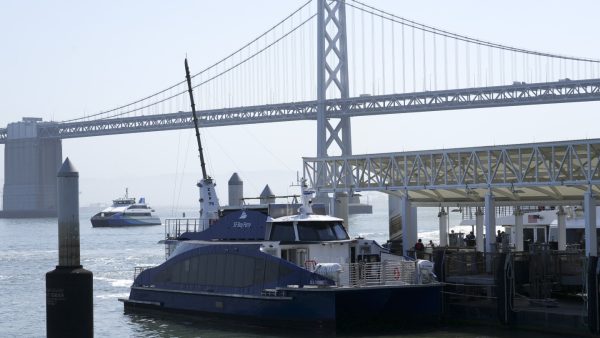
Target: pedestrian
[(419, 245)]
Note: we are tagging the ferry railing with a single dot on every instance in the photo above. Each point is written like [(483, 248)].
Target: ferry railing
[(174, 227), (139, 269), (466, 262), (379, 273)]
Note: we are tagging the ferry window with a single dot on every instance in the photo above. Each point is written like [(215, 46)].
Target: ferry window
[(315, 231), (202, 269), (193, 275), (259, 271), (220, 269), (340, 232), (282, 232), (230, 273), (211, 266), (240, 270), (271, 271), (178, 273)]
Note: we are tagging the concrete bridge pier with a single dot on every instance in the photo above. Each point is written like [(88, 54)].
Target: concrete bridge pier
[(340, 202), (30, 167)]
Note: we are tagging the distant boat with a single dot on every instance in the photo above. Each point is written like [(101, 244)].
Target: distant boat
[(125, 212)]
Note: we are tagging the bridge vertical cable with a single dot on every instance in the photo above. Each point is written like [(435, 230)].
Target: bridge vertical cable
[(433, 60)]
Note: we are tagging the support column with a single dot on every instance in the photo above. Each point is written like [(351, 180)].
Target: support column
[(332, 73), (518, 238), (409, 232), (414, 224), (394, 218), (490, 223), (562, 228), (591, 252), (479, 230), (443, 216), (589, 210)]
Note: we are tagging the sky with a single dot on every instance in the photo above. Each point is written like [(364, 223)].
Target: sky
[(63, 59)]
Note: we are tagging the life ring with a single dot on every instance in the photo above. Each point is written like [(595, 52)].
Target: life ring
[(310, 263), (396, 273)]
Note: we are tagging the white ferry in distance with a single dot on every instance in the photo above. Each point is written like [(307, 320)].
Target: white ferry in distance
[(126, 212)]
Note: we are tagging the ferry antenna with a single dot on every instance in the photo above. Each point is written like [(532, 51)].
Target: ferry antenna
[(189, 83)]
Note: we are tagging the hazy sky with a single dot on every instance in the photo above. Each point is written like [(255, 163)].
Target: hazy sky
[(61, 59)]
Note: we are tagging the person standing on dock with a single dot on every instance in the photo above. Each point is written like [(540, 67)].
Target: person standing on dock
[(419, 245)]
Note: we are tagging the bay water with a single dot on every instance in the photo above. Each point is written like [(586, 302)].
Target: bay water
[(29, 249)]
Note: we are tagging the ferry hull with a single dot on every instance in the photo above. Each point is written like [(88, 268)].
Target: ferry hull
[(307, 308), (98, 222)]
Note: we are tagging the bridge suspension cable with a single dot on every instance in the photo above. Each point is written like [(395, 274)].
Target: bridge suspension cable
[(166, 93), (423, 27), (388, 54)]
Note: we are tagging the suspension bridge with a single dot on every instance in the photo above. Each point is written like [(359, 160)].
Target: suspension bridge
[(330, 61)]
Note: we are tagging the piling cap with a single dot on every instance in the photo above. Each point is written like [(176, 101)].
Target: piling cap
[(235, 180), (267, 192), (67, 170)]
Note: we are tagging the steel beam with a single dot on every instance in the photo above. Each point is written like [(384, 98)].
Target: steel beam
[(515, 173), (469, 98)]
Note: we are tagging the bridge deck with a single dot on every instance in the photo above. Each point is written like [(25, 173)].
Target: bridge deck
[(468, 98)]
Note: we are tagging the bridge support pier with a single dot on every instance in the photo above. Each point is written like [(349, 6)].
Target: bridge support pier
[(339, 203), (30, 167)]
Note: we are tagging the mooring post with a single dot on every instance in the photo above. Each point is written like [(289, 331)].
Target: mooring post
[(504, 292), (69, 301)]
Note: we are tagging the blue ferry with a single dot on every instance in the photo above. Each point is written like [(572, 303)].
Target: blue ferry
[(299, 270), (281, 265)]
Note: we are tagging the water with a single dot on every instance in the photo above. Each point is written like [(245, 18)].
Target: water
[(29, 250)]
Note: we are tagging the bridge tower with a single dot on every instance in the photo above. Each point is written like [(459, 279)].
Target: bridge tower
[(333, 135), (30, 167)]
